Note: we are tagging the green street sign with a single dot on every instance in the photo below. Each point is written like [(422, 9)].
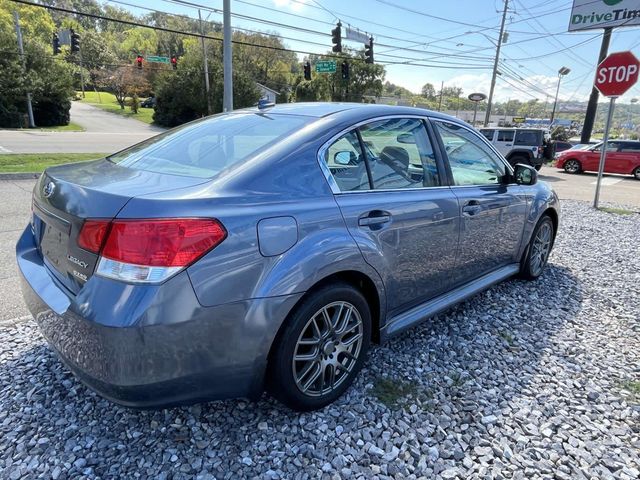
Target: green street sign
[(152, 58), (326, 66)]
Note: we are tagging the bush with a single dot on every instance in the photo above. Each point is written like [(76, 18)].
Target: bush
[(52, 113)]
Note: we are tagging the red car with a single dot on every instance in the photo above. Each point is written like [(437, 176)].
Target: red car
[(623, 156)]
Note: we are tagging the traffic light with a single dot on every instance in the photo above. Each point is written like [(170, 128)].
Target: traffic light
[(56, 44), (174, 62), (75, 41), (307, 71), (336, 38), (345, 70), (368, 51), (139, 62)]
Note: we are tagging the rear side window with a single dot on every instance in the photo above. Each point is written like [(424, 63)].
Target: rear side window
[(630, 147), (346, 163), (528, 137), (488, 134), (505, 135), (400, 154), (206, 147)]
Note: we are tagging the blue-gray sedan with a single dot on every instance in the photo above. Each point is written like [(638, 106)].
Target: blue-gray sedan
[(267, 249)]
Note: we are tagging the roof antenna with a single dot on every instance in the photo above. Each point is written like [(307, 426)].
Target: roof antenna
[(264, 103)]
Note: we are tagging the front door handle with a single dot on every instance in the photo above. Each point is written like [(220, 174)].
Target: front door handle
[(472, 207), (374, 220)]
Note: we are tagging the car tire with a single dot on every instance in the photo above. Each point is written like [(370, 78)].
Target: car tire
[(572, 166), (311, 347), (519, 159), (538, 251), (636, 173)]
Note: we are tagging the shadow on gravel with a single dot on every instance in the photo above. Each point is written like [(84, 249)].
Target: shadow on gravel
[(466, 367)]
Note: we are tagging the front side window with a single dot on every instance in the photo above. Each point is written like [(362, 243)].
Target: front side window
[(400, 154), (472, 162), (345, 161), (505, 135)]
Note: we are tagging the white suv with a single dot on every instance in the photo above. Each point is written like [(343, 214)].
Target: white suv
[(519, 145)]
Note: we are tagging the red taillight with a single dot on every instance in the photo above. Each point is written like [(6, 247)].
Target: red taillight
[(175, 242), (92, 235)]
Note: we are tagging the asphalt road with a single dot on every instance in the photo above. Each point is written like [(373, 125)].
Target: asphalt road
[(105, 133), (617, 189), (15, 211)]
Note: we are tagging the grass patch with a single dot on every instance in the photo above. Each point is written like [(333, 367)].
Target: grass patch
[(619, 211), (507, 337), (632, 386), (389, 391), (37, 162), (107, 101), (72, 127)]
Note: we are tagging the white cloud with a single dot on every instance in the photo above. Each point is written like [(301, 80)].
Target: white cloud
[(295, 5)]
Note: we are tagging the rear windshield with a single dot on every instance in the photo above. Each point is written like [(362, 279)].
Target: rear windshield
[(206, 147)]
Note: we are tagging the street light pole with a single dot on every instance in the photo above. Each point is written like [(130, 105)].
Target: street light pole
[(16, 20), (227, 98), (561, 73), (495, 64)]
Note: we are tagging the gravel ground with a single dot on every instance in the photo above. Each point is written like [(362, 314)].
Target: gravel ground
[(527, 380)]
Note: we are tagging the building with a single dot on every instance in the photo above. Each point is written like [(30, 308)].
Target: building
[(267, 94)]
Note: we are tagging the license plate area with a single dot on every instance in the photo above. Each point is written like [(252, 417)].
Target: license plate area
[(54, 241)]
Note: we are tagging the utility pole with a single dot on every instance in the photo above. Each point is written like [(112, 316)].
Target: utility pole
[(592, 106), (16, 19), (495, 64), (440, 102), (206, 64), (227, 101)]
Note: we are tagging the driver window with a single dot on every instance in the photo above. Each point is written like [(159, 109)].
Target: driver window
[(471, 161), (346, 163)]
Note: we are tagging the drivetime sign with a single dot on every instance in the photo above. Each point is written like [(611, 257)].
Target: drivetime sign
[(617, 73), (589, 14)]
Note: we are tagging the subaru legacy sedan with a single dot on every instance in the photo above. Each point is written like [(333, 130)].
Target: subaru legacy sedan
[(266, 249)]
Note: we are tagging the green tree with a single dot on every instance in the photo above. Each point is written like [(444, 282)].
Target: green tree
[(48, 79), (180, 94), (428, 91)]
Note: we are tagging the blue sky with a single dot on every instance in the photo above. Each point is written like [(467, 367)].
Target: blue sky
[(457, 48)]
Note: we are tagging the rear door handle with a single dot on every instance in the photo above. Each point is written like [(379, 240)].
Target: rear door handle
[(374, 220)]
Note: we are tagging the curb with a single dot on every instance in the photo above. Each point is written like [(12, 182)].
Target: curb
[(19, 176)]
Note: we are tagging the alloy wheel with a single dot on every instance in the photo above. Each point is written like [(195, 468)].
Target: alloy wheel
[(572, 166), (540, 249), (327, 349)]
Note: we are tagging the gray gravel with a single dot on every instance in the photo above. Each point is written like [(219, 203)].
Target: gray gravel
[(527, 380)]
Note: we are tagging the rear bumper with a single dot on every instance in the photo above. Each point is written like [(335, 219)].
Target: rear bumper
[(152, 346)]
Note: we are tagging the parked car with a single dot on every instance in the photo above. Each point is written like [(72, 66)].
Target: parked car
[(149, 102), (623, 156), (561, 146), (268, 248), (521, 145)]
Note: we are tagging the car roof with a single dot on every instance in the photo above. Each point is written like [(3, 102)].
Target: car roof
[(324, 109)]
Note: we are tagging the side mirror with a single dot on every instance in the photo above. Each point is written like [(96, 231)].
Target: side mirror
[(343, 158), (525, 174)]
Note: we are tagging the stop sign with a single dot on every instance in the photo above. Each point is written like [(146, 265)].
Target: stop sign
[(617, 73)]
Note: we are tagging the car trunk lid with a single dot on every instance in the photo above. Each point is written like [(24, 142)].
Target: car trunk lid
[(66, 196)]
